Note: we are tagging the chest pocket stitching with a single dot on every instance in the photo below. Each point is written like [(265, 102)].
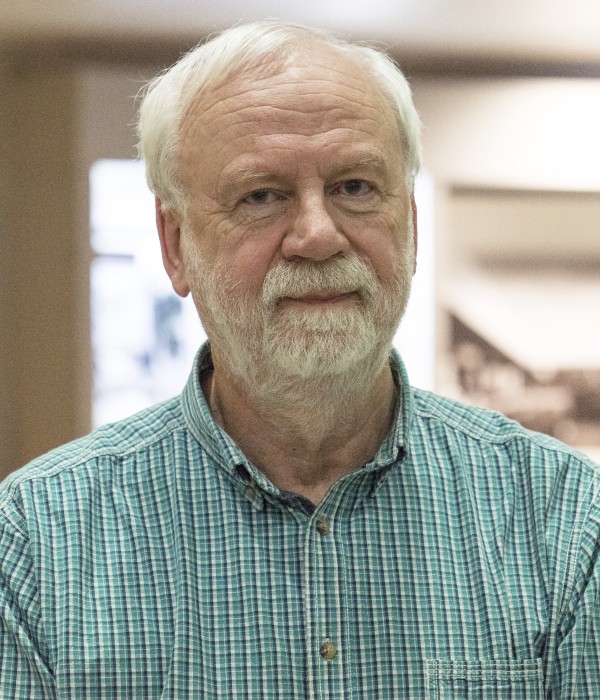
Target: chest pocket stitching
[(482, 675)]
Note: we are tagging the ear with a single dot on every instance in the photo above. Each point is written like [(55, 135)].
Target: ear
[(413, 206), (168, 224)]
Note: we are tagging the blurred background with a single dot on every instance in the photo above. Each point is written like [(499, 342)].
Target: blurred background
[(506, 308)]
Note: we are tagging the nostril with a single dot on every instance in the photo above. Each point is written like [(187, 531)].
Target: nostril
[(314, 235)]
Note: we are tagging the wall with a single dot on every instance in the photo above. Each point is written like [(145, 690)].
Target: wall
[(6, 332), (522, 133), (43, 274), (526, 227)]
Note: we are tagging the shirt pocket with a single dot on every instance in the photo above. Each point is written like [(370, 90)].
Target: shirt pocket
[(484, 680)]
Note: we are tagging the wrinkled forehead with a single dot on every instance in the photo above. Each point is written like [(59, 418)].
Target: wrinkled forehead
[(289, 91), (303, 103)]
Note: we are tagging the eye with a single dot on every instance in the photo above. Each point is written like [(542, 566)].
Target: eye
[(260, 197), (354, 188)]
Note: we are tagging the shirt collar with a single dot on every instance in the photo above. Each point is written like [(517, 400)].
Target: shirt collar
[(221, 447), (395, 444), (226, 453)]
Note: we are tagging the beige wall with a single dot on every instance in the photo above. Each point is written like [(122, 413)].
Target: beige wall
[(536, 228), (43, 274), (6, 333), (57, 121), (512, 133)]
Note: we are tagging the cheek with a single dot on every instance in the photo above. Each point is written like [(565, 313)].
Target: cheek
[(384, 242), (384, 262), (248, 264)]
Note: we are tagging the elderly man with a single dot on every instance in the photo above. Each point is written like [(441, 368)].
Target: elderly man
[(300, 523)]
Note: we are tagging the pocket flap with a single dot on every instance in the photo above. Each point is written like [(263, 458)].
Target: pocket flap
[(484, 680)]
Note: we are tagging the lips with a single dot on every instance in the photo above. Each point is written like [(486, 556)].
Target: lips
[(322, 297)]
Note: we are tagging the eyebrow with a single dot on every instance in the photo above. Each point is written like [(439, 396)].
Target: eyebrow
[(365, 160), (244, 178), (246, 175)]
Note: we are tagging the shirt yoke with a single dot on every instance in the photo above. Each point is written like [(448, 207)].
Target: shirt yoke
[(111, 441)]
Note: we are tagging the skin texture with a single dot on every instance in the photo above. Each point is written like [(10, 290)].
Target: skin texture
[(296, 162)]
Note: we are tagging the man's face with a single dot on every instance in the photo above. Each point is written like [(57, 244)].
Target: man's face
[(297, 241)]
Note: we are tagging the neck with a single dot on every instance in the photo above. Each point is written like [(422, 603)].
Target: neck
[(310, 432)]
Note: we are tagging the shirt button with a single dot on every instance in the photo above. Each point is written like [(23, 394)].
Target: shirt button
[(323, 526), (328, 650), (250, 492)]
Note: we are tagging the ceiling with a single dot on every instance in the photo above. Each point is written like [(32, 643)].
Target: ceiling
[(534, 37)]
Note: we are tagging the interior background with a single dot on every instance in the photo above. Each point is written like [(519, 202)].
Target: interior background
[(509, 95)]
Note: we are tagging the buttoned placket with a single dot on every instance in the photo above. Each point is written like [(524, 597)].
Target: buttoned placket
[(323, 572), (325, 591)]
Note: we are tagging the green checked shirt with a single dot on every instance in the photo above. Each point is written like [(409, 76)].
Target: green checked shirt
[(152, 560)]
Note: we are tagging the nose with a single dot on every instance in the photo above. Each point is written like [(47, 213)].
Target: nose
[(312, 233)]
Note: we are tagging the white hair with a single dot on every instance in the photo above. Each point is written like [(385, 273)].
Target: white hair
[(167, 97)]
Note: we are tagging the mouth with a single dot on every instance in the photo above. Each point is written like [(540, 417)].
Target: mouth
[(323, 299)]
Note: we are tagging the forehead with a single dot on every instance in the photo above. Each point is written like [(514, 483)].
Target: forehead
[(317, 95)]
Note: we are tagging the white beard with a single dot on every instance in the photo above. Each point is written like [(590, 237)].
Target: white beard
[(291, 352)]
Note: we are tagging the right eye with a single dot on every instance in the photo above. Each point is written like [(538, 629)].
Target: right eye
[(260, 197)]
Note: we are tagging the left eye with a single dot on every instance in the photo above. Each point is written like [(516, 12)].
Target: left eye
[(354, 188), (259, 197)]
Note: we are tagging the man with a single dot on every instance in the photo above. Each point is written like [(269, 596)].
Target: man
[(300, 523)]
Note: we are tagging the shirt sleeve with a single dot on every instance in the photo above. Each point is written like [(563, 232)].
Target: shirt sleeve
[(576, 673), (25, 672)]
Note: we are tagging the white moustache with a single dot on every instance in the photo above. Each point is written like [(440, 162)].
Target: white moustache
[(339, 276)]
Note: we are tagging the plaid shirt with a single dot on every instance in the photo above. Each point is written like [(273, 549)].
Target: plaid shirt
[(152, 560)]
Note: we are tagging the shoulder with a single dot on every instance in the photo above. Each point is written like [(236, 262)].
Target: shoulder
[(487, 428), (531, 481), (494, 451), (500, 456), (100, 455)]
